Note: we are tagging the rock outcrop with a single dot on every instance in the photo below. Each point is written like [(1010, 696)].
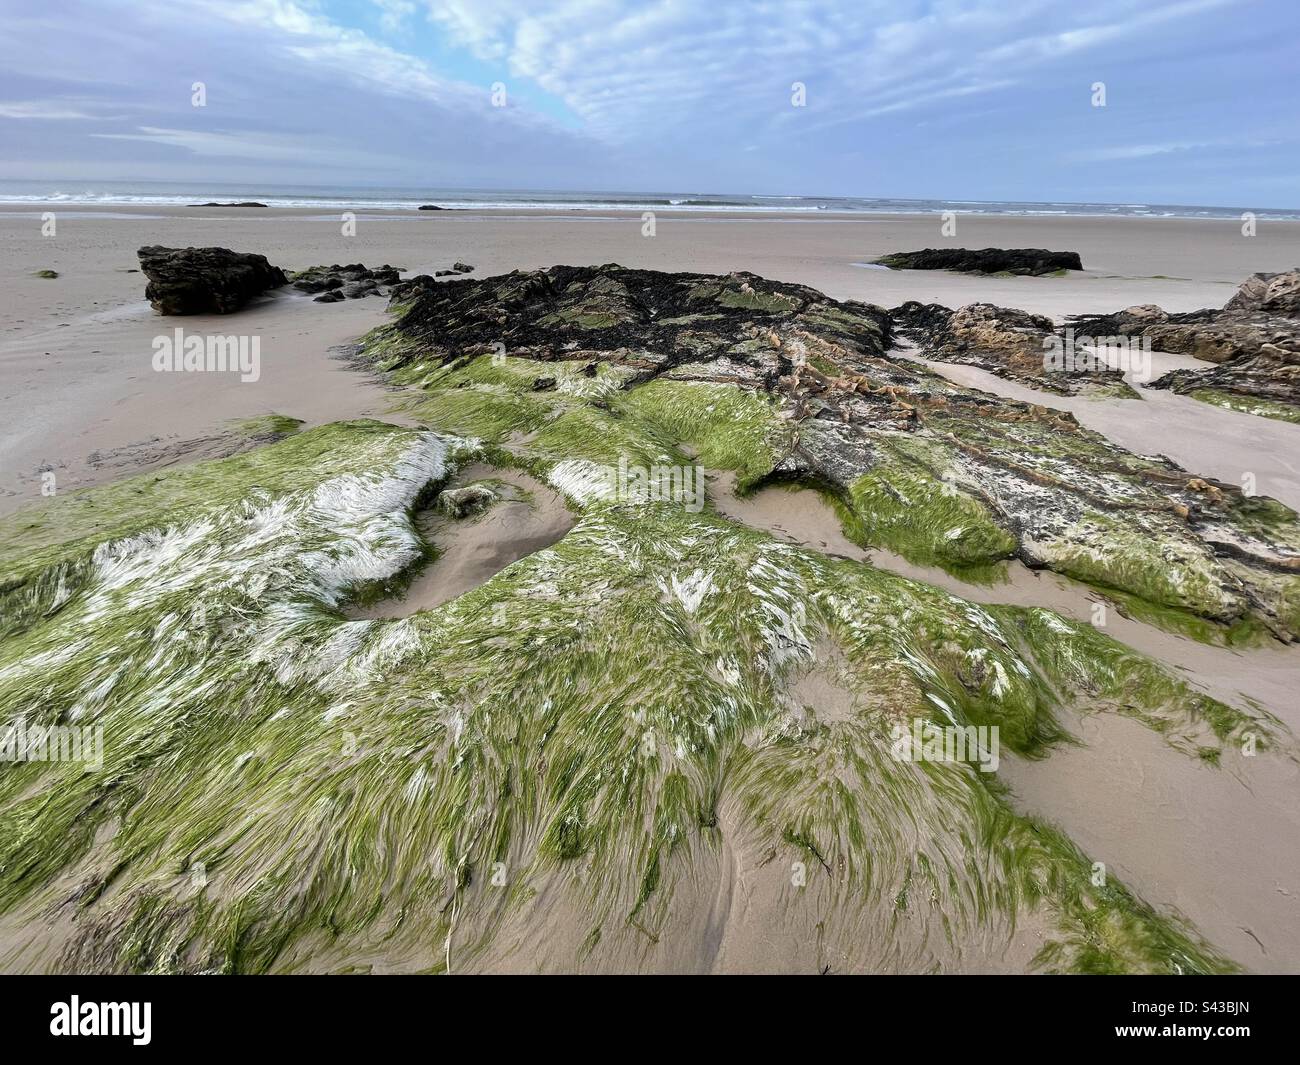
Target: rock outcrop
[(1255, 339), (242, 203), (456, 268), (941, 474), (1034, 261), (1011, 343), (354, 281), (628, 721), (205, 280)]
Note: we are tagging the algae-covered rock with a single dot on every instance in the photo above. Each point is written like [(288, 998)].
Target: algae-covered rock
[(1254, 339), (942, 474), (558, 770), (1011, 343)]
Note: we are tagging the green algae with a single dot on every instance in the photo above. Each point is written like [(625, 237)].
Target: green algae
[(1256, 405), (733, 429), (906, 504), (344, 782), (68, 526), (268, 425)]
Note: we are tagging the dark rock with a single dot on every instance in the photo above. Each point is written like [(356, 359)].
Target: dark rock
[(462, 268), (244, 203), (669, 320), (430, 207), (985, 260), (205, 280), (332, 296), (355, 290), (355, 279)]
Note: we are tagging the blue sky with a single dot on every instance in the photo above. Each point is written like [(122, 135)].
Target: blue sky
[(952, 99)]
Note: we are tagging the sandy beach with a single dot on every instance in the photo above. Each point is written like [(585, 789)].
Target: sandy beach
[(75, 351), (81, 400)]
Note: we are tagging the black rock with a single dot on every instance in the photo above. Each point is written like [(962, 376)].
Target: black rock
[(1034, 261), (430, 207), (205, 280), (244, 203), (355, 280)]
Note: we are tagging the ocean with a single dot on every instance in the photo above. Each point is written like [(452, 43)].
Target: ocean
[(407, 199)]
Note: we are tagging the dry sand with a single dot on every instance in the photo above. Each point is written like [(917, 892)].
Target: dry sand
[(1218, 845)]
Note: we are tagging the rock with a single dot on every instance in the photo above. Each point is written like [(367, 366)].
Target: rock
[(1271, 293), (430, 207), (461, 502), (205, 280), (1254, 339), (1011, 343), (941, 474), (48, 275), (355, 280), (244, 203), (462, 268), (1033, 261), (332, 296)]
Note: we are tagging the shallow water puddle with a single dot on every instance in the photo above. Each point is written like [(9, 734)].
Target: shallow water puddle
[(529, 517)]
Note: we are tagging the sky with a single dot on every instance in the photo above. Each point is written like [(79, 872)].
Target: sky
[(924, 99)]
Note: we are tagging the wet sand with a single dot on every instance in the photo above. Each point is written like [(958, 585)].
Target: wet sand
[(530, 516), (1214, 845)]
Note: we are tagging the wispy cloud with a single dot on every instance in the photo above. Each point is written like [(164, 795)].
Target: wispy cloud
[(960, 98), (49, 110)]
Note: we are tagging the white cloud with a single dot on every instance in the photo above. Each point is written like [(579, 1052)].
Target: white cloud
[(632, 70), (262, 147), (42, 109), (1147, 151)]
